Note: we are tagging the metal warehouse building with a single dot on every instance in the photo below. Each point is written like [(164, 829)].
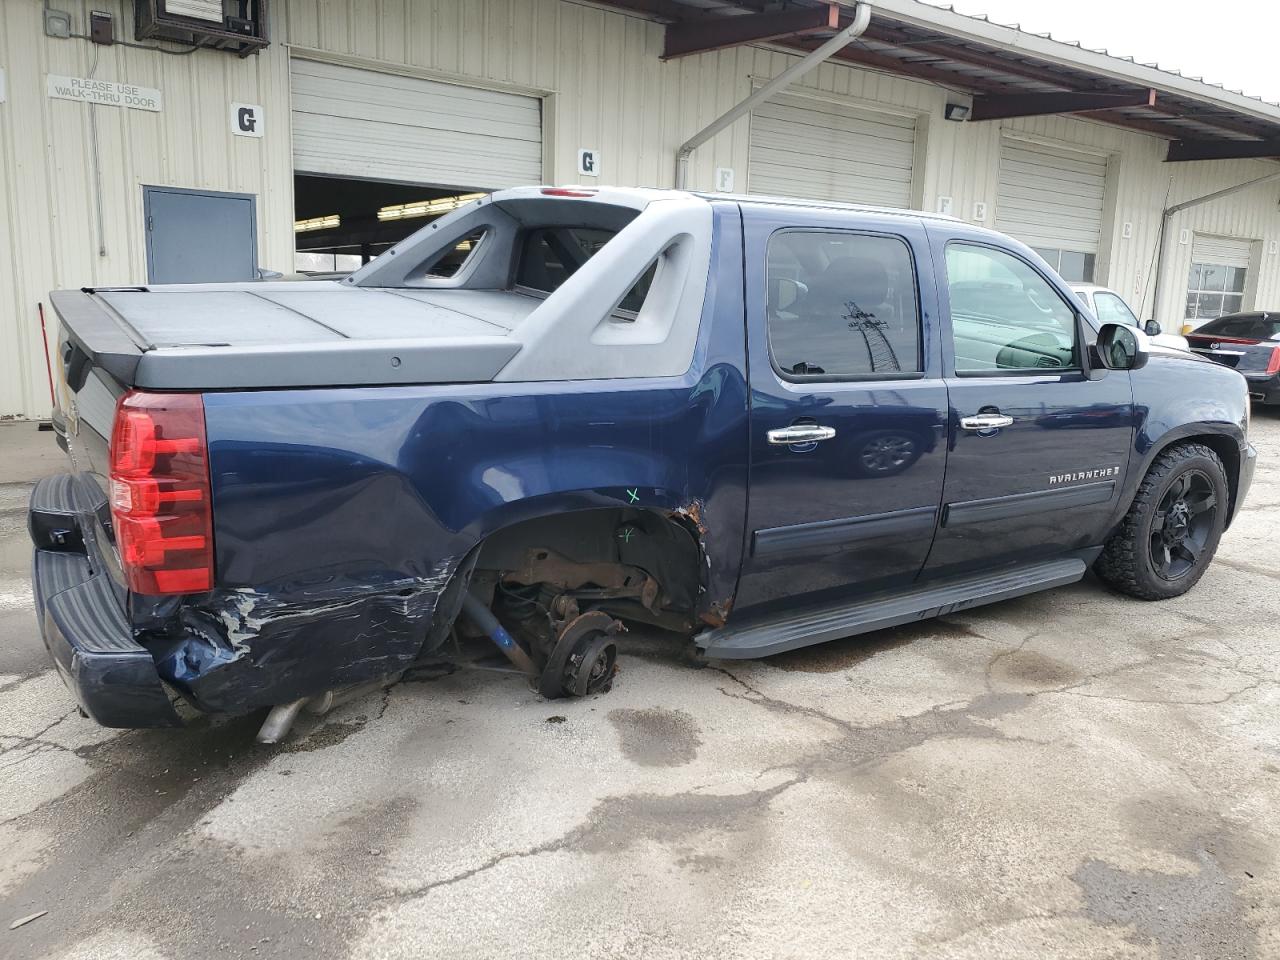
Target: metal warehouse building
[(170, 140)]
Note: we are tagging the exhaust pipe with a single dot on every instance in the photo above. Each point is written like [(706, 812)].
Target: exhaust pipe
[(280, 721)]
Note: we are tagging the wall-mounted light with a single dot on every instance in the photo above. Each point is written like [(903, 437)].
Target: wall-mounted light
[(957, 111)]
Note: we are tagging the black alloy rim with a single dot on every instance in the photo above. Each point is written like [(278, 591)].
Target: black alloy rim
[(1182, 525)]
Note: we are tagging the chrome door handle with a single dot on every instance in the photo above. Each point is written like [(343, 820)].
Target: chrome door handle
[(986, 421), (800, 433)]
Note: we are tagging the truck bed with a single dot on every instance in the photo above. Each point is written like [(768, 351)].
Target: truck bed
[(293, 334)]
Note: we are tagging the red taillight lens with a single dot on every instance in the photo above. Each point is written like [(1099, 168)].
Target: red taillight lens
[(161, 505), (1273, 365), (568, 192)]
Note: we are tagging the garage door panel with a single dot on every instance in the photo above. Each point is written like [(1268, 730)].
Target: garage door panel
[(1051, 198), (351, 122), (785, 150), (833, 124), (820, 187), (434, 108), (1227, 251), (827, 151)]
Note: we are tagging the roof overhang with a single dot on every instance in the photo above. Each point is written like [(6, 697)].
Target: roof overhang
[(1007, 71)]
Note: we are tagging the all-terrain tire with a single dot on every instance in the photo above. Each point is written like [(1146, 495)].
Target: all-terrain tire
[(1126, 562)]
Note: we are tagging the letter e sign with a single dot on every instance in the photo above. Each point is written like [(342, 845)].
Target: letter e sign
[(246, 119)]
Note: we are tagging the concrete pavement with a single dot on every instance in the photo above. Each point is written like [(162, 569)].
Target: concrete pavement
[(1073, 774)]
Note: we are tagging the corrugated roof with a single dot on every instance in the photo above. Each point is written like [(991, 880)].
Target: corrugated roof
[(976, 55)]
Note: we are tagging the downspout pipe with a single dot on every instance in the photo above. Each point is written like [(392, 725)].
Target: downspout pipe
[(1167, 218), (861, 17)]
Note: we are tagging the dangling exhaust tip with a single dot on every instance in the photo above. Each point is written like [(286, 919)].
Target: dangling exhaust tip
[(280, 721)]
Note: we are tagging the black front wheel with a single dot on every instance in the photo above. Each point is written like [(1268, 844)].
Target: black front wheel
[(1172, 529)]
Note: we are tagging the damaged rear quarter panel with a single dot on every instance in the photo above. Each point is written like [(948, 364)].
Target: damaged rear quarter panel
[(339, 514)]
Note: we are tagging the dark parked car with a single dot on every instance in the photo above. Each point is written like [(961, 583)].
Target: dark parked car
[(762, 423), (1247, 342)]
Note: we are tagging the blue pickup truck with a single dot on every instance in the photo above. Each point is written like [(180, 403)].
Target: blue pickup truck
[(560, 411)]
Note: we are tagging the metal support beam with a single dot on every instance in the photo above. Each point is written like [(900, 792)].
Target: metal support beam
[(700, 36), (861, 17), (1222, 149), (1004, 106)]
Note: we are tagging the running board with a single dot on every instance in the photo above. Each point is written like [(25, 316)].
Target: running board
[(801, 628)]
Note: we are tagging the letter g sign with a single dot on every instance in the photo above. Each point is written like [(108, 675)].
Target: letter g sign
[(246, 119)]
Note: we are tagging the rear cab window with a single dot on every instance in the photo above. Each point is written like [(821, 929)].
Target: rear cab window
[(1005, 316), (842, 306), (551, 255)]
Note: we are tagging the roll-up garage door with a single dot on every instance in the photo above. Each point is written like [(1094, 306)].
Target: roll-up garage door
[(1051, 198), (803, 147), (363, 124), (1223, 251)]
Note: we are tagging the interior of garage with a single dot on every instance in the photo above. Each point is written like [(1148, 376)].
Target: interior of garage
[(342, 223)]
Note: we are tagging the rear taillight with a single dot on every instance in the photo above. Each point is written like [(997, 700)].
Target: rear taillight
[(1273, 365), (160, 500)]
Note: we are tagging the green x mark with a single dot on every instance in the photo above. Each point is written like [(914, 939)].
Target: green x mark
[(634, 494)]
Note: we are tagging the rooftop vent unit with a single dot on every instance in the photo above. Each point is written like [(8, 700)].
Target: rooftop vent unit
[(238, 26)]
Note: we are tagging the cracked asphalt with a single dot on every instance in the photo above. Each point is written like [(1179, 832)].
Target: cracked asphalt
[(1073, 774)]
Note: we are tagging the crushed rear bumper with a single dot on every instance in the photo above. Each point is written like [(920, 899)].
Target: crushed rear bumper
[(82, 615)]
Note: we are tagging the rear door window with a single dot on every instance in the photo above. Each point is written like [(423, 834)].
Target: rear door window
[(842, 306)]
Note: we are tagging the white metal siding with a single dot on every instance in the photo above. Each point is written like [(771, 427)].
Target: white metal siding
[(605, 87), (1051, 198), (1224, 251), (805, 147), (372, 125)]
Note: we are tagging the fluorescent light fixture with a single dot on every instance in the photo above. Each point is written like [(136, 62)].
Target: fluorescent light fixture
[(317, 223), (426, 208)]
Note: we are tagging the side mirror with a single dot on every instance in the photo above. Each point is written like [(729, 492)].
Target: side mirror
[(1121, 347), (1151, 328)]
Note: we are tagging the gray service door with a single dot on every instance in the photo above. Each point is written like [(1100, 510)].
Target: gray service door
[(199, 237)]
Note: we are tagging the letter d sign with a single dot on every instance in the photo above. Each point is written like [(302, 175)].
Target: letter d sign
[(246, 119)]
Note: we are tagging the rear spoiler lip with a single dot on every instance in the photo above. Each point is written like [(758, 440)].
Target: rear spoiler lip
[(98, 332)]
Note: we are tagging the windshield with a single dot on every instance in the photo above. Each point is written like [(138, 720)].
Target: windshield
[(1252, 326)]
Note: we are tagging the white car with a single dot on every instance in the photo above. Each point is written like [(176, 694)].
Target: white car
[(1109, 307)]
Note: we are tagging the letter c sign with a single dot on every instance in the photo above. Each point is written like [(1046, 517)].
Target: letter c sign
[(246, 119)]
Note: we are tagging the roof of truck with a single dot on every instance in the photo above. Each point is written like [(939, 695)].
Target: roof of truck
[(638, 197)]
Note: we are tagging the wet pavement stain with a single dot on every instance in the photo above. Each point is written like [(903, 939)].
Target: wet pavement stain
[(1029, 668), (1194, 916), (656, 737)]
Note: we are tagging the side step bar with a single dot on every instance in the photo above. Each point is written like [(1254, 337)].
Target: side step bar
[(801, 628)]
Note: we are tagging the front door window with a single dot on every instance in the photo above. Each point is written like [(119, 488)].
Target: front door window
[(1005, 317)]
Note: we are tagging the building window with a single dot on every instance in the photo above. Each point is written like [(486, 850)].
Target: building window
[(1214, 290), (1070, 265)]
